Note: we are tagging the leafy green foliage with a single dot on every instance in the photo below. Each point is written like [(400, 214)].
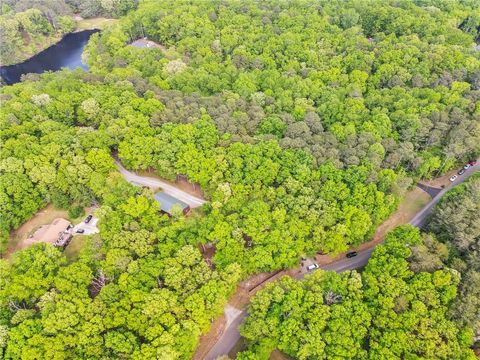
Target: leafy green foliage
[(455, 222), (303, 122), (456, 217), (387, 312), (352, 82)]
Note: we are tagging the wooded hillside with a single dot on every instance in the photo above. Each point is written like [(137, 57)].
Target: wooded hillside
[(304, 122)]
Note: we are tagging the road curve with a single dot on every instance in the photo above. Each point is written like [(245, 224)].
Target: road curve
[(231, 334), (135, 179)]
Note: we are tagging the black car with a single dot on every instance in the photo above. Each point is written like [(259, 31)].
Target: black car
[(352, 254), (461, 171), (88, 218), (80, 231)]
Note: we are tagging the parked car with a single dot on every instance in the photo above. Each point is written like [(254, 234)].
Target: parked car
[(453, 178), (352, 254), (467, 166), (88, 218), (473, 162), (80, 231), (461, 171), (313, 267)]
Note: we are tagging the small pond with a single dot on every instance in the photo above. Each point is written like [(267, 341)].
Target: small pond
[(67, 53)]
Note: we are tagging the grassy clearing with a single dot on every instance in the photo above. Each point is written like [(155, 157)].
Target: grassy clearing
[(42, 217), (73, 248), (95, 23), (413, 202)]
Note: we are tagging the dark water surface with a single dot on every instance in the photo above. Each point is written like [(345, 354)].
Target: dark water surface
[(67, 53)]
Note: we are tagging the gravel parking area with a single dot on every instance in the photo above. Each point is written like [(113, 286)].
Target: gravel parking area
[(88, 229)]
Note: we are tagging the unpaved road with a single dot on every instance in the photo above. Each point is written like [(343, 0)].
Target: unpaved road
[(135, 179), (231, 334)]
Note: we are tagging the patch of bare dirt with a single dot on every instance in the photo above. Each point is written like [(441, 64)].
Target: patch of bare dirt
[(240, 299), (278, 355), (191, 188), (239, 346), (208, 251), (273, 277), (19, 237)]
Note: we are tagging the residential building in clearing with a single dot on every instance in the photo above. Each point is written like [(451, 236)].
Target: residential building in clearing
[(55, 233), (167, 202), (145, 43)]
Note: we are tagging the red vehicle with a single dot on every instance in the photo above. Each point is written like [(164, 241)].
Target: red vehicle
[(472, 162)]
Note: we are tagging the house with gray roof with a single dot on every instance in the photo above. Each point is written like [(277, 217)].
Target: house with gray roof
[(167, 202)]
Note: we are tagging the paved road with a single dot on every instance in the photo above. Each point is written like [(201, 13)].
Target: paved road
[(231, 334), (135, 179), (430, 190), (421, 216)]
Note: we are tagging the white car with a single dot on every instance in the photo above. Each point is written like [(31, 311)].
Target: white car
[(466, 167), (313, 267), (453, 178)]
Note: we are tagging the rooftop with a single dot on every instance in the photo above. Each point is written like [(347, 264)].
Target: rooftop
[(145, 43), (167, 202), (52, 232)]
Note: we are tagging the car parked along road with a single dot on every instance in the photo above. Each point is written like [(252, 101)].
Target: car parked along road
[(231, 334)]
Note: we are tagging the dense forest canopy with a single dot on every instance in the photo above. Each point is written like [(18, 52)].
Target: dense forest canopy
[(418, 297), (455, 222), (303, 122), (387, 312), (395, 85)]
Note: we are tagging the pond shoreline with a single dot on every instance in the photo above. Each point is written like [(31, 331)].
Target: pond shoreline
[(64, 53)]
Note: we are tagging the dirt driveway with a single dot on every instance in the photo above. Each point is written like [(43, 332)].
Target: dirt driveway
[(19, 237)]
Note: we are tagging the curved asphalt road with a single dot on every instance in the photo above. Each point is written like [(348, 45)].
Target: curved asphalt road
[(231, 334), (135, 179)]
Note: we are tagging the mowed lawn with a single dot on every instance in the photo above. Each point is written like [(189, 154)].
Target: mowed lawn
[(95, 23), (75, 246)]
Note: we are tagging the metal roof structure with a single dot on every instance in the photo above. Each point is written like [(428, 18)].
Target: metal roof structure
[(167, 202), (145, 43)]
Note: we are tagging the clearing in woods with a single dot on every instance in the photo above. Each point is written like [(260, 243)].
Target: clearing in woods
[(94, 23), (42, 217), (19, 237)]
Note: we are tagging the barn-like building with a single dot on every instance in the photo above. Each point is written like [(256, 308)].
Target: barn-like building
[(167, 202)]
